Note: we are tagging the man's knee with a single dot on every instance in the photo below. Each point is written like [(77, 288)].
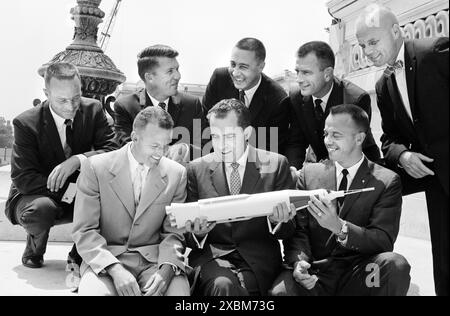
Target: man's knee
[(37, 215), (94, 285), (179, 286), (395, 269)]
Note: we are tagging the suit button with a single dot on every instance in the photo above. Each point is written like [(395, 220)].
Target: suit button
[(416, 121)]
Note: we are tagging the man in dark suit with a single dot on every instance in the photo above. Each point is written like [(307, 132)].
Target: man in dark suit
[(241, 258), (50, 141), (318, 91), (244, 80), (345, 247), (413, 97), (159, 69)]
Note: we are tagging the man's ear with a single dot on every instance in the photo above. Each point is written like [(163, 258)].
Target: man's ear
[(360, 137), (329, 74), (134, 136), (46, 92), (262, 65), (148, 77), (248, 133), (397, 31)]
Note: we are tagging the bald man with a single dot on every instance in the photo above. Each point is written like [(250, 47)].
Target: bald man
[(413, 98)]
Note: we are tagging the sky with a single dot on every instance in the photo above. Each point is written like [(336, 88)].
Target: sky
[(203, 31)]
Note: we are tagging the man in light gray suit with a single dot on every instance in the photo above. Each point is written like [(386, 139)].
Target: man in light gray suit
[(121, 229)]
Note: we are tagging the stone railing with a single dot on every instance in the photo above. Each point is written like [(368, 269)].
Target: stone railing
[(432, 26)]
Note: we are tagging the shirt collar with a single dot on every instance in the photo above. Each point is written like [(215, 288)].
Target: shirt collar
[(241, 161), (156, 102), (251, 92), (133, 162), (325, 97), (351, 171), (59, 121), (401, 53)]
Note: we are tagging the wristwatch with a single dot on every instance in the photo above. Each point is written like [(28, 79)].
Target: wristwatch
[(342, 235)]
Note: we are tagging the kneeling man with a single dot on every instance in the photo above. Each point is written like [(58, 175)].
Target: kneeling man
[(344, 247), (121, 229)]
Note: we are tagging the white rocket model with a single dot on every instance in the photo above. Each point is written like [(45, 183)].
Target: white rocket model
[(243, 207)]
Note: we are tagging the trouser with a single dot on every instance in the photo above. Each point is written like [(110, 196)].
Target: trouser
[(92, 284), (229, 275), (386, 274), (37, 215), (438, 215)]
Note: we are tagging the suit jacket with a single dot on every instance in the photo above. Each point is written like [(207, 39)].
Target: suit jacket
[(37, 148), (304, 131), (264, 172), (373, 217), (266, 109), (427, 77), (183, 108), (106, 221)]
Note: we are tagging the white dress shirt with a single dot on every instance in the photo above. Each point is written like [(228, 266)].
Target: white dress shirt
[(250, 93), (351, 172), (61, 127), (400, 77), (324, 99), (134, 164), (156, 102)]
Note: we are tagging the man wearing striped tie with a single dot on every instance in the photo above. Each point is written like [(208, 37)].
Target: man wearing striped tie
[(241, 258), (345, 247)]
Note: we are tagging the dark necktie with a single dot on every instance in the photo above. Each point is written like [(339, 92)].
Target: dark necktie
[(235, 179), (162, 105), (398, 65), (318, 111), (343, 187), (69, 138), (242, 96)]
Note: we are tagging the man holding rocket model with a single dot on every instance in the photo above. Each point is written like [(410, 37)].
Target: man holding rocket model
[(240, 258), (344, 247)]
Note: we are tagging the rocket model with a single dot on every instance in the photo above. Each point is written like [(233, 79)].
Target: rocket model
[(243, 207)]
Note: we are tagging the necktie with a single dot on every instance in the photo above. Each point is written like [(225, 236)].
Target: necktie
[(398, 65), (319, 111), (69, 139), (242, 96), (343, 187), (235, 180), (162, 105), (138, 183)]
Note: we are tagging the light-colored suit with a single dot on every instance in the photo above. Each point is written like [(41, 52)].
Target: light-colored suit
[(107, 223)]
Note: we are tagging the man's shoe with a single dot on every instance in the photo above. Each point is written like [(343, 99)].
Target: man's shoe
[(34, 262)]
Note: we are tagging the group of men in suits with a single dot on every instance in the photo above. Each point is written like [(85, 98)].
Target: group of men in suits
[(126, 177)]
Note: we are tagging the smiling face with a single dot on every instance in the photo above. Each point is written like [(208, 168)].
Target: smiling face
[(343, 139), (245, 69), (312, 77), (163, 80), (64, 96), (229, 140), (151, 144)]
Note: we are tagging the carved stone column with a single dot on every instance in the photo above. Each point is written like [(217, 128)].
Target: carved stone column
[(99, 76)]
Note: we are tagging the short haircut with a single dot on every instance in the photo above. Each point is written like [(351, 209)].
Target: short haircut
[(357, 114), (155, 115), (60, 71), (221, 110), (322, 50), (148, 58), (254, 45)]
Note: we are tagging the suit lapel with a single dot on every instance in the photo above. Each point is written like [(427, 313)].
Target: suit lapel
[(79, 125), (310, 119), (336, 97), (252, 174), (122, 184), (410, 70), (52, 133), (219, 179), (257, 103), (359, 182), (154, 185), (144, 99), (398, 102), (174, 110)]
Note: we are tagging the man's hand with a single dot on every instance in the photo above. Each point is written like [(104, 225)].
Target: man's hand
[(200, 227), (179, 153), (124, 281), (325, 212), (282, 214), (413, 165), (302, 276), (295, 174), (61, 173), (159, 282)]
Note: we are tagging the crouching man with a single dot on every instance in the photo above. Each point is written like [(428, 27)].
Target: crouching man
[(121, 229)]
